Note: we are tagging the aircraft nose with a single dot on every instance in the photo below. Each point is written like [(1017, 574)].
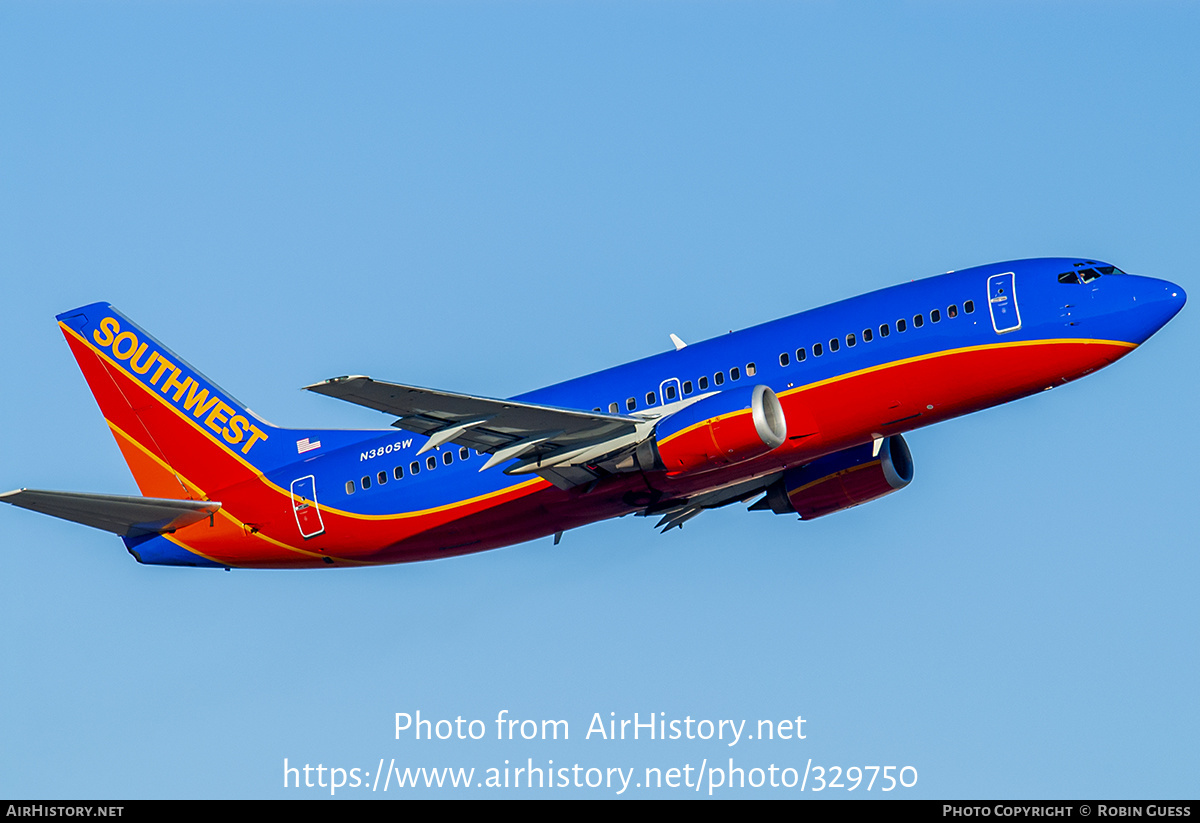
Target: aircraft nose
[(1171, 299), (1158, 301), (1178, 295)]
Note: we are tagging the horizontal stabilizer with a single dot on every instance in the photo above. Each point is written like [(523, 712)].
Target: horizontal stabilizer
[(120, 514)]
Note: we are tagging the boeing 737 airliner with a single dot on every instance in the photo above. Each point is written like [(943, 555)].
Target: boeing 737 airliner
[(802, 415)]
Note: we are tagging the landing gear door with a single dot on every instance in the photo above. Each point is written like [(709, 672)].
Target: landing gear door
[(1002, 302), (304, 504)]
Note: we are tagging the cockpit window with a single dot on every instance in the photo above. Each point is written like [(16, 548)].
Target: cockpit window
[(1083, 275)]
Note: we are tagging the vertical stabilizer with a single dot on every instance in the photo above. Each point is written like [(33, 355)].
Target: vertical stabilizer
[(181, 434)]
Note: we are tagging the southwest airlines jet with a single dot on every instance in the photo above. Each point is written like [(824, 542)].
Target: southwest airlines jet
[(802, 415)]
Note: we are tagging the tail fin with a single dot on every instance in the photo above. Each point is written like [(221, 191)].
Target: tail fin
[(182, 435)]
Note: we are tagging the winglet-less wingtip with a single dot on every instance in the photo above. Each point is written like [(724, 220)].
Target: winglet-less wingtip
[(342, 379)]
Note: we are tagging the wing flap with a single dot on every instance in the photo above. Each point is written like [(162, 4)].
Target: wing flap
[(119, 514), (677, 512), (490, 425)]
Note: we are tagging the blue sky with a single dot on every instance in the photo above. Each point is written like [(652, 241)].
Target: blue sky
[(493, 197)]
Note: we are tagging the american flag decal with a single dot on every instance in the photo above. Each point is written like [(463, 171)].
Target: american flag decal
[(306, 445)]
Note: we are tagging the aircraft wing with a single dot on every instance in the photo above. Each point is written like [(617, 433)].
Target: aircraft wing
[(554, 442), (120, 514), (677, 512)]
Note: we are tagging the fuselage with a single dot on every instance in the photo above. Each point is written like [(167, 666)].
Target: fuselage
[(845, 374)]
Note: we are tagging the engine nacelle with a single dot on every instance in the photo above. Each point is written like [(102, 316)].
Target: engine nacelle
[(721, 430), (842, 479)]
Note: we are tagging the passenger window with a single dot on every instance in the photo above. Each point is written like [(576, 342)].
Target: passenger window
[(464, 453), (719, 378), (969, 307), (935, 316), (784, 359), (952, 311), (817, 350), (414, 467), (381, 477), (630, 403), (851, 340), (868, 335), (802, 355), (431, 462), (670, 392), (366, 483), (834, 345), (398, 472), (650, 398), (703, 382), (918, 321), (735, 373), (448, 457), (613, 408), (687, 387), (751, 370), (884, 330), (350, 487), (901, 325)]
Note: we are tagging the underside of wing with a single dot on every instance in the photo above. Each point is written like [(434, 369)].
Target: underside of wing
[(120, 514), (563, 445), (677, 512)]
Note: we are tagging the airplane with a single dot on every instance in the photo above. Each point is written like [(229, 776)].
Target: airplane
[(804, 415)]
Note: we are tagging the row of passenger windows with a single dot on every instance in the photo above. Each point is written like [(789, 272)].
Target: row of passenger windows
[(670, 393), (702, 384), (785, 359), (885, 330), (413, 468)]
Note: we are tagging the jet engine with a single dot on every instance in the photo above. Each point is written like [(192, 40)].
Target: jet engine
[(726, 428), (841, 480)]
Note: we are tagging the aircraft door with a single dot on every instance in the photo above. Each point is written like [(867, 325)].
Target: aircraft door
[(1002, 303), (304, 504), (668, 391)]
